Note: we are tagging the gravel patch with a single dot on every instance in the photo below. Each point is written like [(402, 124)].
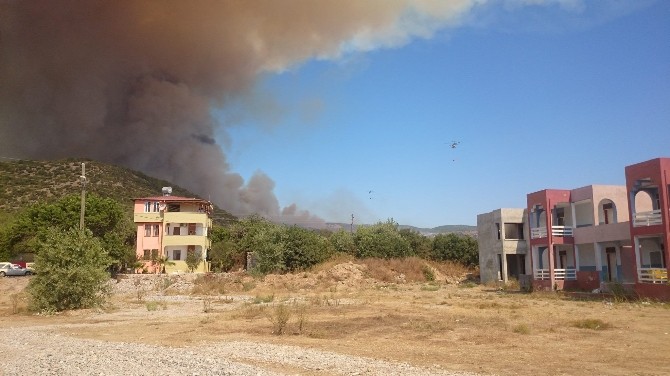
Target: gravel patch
[(39, 351)]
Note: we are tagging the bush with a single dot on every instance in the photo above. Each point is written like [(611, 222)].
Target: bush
[(71, 271), (455, 247)]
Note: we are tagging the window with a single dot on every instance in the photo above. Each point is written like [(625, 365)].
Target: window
[(173, 208), (560, 217), (156, 230), (176, 230), (176, 254), (157, 207), (608, 211), (147, 230), (514, 231), (147, 207), (498, 230), (656, 259), (147, 254)]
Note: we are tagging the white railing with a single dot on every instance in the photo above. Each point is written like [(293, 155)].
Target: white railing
[(541, 232), (561, 231), (653, 275), (566, 274), (541, 274), (647, 218), (538, 232), (562, 274)]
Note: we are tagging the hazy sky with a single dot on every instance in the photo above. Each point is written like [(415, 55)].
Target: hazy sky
[(557, 95)]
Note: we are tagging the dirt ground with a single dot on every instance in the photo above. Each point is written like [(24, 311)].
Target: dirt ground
[(450, 326)]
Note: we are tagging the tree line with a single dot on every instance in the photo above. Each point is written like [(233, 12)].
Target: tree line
[(72, 266)]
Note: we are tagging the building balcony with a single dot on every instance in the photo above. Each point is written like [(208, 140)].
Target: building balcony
[(648, 218), (559, 274), (541, 232), (147, 217), (653, 275), (187, 217), (180, 240)]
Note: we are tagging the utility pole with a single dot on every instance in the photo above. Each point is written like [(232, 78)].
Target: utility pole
[(352, 224), (82, 178)]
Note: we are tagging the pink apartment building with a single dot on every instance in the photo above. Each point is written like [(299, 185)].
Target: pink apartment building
[(172, 227), (589, 238)]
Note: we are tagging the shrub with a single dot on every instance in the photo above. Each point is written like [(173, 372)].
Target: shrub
[(279, 318), (455, 247), (71, 271)]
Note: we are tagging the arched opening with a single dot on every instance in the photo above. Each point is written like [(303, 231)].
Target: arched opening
[(607, 212), (643, 201)]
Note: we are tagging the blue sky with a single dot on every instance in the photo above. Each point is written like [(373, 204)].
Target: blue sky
[(539, 96)]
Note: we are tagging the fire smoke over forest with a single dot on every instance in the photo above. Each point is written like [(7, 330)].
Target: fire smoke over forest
[(134, 82)]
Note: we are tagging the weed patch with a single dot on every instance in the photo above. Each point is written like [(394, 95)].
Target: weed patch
[(592, 324)]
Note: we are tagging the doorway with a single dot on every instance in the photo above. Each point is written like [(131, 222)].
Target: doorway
[(610, 252)]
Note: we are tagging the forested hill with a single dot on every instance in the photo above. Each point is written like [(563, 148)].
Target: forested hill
[(24, 183)]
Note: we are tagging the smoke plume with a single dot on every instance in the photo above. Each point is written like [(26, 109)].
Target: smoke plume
[(135, 82)]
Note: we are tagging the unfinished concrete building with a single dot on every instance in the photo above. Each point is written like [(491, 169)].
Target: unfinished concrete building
[(501, 237)]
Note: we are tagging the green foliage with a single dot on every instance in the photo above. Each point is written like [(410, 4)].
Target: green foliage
[(419, 244), (343, 242), (193, 259), (277, 248), (70, 270), (104, 218), (381, 240), (225, 253), (455, 247), (304, 248)]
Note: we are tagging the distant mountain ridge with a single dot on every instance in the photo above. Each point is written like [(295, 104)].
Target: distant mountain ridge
[(444, 229), (24, 183)]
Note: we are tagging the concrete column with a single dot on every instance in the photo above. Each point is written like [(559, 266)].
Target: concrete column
[(576, 254), (574, 215), (599, 260), (638, 262)]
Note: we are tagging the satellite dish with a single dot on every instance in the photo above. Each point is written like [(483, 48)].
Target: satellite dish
[(167, 191)]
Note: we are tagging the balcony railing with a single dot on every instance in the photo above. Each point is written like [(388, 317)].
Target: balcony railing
[(538, 232), (561, 231), (567, 274), (541, 274), (562, 274), (653, 275), (648, 218), (541, 232)]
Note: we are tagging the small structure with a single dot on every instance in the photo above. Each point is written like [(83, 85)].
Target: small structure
[(171, 227), (501, 238)]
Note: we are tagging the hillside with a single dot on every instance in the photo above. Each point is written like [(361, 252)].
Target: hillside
[(24, 183)]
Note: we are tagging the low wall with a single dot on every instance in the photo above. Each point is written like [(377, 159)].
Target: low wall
[(653, 291), (588, 280)]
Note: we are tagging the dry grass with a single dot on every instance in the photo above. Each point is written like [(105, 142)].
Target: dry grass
[(475, 329)]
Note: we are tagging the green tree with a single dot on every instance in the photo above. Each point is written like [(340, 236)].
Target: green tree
[(70, 270), (225, 254), (193, 259), (381, 240), (419, 244), (343, 241), (456, 247), (304, 248), (105, 218)]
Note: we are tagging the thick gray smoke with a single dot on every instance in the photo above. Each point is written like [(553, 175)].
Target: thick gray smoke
[(134, 82)]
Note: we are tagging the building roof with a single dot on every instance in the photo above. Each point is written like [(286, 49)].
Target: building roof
[(171, 199)]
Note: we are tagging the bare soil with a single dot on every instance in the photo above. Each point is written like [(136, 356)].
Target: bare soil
[(437, 325)]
